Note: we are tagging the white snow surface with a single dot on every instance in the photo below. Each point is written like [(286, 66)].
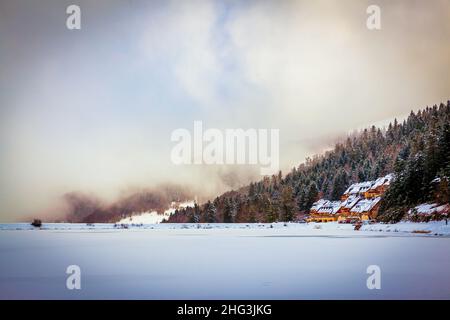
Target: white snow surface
[(225, 261), (435, 228), (151, 217)]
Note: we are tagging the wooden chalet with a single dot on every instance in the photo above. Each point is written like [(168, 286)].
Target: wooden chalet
[(360, 201)]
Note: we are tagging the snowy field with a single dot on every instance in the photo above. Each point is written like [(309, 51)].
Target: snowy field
[(223, 261)]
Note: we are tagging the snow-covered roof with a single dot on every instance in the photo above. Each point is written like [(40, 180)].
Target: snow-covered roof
[(351, 201), (331, 207), (355, 201), (326, 206), (365, 205), (359, 187), (319, 203), (383, 181), (364, 186)]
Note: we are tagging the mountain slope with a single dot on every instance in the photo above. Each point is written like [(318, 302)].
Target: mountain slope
[(416, 150)]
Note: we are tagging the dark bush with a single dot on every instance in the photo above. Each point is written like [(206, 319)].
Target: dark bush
[(36, 223)]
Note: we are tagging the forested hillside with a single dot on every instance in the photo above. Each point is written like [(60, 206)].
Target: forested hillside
[(417, 150)]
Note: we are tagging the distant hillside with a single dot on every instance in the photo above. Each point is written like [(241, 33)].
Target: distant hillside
[(87, 208), (416, 150)]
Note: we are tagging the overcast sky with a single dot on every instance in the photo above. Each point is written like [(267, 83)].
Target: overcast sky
[(92, 110)]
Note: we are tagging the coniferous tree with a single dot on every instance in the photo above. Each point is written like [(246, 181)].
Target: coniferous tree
[(227, 211), (287, 204), (340, 184), (210, 212), (312, 195)]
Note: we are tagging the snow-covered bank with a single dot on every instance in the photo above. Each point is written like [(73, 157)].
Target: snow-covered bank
[(434, 228), (431, 228)]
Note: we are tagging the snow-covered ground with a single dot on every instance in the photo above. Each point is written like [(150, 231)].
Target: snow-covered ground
[(243, 261), (434, 228), (144, 218)]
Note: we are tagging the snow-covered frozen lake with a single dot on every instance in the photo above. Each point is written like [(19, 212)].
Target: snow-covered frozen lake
[(222, 262)]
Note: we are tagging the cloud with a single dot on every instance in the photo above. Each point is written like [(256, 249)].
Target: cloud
[(93, 111), (185, 40)]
